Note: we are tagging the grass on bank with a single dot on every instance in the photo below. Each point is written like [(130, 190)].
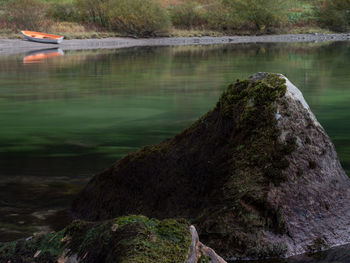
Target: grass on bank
[(150, 18)]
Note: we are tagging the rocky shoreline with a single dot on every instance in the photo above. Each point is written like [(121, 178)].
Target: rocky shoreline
[(15, 46)]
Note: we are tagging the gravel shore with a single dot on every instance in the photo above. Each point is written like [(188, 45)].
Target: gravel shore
[(14, 46)]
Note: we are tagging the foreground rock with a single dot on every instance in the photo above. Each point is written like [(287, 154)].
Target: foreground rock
[(258, 176), (127, 239), (200, 253)]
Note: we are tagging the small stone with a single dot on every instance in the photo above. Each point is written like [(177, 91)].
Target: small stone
[(37, 254), (115, 227)]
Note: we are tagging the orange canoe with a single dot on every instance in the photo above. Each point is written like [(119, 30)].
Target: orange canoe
[(42, 37)]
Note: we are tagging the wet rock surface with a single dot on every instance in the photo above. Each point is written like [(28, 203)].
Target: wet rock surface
[(257, 175)]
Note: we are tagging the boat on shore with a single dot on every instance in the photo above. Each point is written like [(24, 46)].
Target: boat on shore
[(42, 37)]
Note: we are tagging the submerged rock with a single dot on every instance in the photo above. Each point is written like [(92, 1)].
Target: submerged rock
[(257, 175)]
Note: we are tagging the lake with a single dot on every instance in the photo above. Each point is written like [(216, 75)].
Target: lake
[(69, 115)]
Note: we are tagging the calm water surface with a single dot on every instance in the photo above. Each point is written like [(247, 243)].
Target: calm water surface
[(67, 117)]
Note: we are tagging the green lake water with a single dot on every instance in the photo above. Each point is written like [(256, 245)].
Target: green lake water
[(66, 118)]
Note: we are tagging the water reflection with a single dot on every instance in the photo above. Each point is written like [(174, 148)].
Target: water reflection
[(334, 255), (40, 56)]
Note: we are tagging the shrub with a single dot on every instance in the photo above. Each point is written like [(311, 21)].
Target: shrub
[(142, 18), (334, 14), (93, 11), (188, 15), (301, 13), (132, 17), (261, 15), (2, 3), (213, 15), (26, 14), (222, 18), (64, 11)]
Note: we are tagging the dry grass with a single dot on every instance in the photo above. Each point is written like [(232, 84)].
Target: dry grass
[(194, 33), (309, 30), (167, 3), (67, 27), (71, 30)]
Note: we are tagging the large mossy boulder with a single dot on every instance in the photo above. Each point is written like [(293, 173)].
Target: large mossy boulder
[(257, 175)]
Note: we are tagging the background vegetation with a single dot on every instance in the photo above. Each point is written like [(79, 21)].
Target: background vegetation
[(334, 14), (147, 18)]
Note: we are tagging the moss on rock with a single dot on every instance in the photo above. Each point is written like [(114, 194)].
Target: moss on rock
[(257, 162), (124, 239)]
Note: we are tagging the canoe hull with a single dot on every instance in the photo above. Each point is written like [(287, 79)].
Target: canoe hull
[(43, 40)]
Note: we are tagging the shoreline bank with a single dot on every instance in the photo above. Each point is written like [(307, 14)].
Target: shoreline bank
[(16, 46)]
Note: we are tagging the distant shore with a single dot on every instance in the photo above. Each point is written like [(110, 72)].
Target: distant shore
[(16, 46)]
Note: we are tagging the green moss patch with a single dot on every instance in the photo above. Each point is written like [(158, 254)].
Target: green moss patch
[(125, 239)]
